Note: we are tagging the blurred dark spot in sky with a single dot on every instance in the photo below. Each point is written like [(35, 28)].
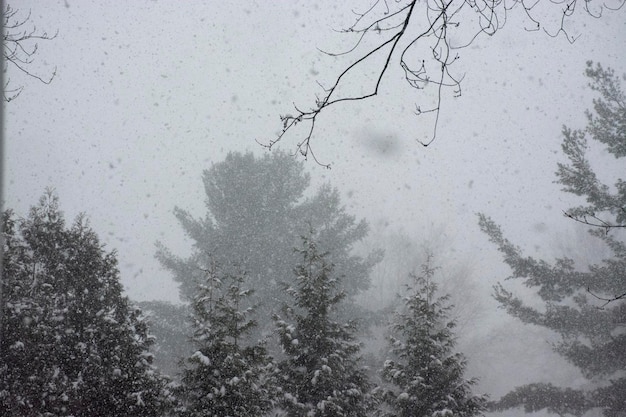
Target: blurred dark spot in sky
[(382, 144)]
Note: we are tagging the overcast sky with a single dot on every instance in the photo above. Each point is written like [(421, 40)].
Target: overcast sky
[(150, 93)]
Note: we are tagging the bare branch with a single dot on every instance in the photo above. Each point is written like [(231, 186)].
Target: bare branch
[(590, 219), (444, 18), (607, 301), (20, 47)]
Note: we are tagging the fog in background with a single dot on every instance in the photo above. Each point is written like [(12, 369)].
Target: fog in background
[(149, 93)]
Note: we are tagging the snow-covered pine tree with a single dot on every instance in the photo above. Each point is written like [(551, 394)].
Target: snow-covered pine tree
[(223, 376), (321, 373), (424, 373), (71, 343)]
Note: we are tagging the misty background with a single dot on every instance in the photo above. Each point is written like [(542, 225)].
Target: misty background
[(149, 93)]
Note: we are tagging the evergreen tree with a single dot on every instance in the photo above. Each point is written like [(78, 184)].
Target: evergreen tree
[(72, 344), (223, 376), (256, 211), (170, 325), (586, 307), (320, 374), (424, 373)]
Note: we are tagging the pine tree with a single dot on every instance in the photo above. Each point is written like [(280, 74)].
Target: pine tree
[(224, 377), (320, 374), (71, 343), (256, 212), (170, 325), (586, 307), (424, 372)]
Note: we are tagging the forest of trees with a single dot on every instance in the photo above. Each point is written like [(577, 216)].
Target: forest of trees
[(72, 344), (270, 322), (256, 337)]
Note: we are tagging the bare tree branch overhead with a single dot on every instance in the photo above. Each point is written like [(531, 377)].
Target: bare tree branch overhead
[(591, 219), (607, 300), (424, 38), (20, 47)]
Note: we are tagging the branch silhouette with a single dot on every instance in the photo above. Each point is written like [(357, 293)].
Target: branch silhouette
[(403, 45), (20, 47)]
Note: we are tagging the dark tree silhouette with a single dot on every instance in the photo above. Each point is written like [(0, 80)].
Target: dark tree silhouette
[(20, 47), (72, 343), (424, 38), (224, 376), (424, 373), (321, 374)]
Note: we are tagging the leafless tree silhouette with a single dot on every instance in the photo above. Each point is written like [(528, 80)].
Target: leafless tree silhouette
[(426, 54), (20, 47)]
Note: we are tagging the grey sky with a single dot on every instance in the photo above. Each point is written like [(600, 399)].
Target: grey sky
[(149, 93)]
